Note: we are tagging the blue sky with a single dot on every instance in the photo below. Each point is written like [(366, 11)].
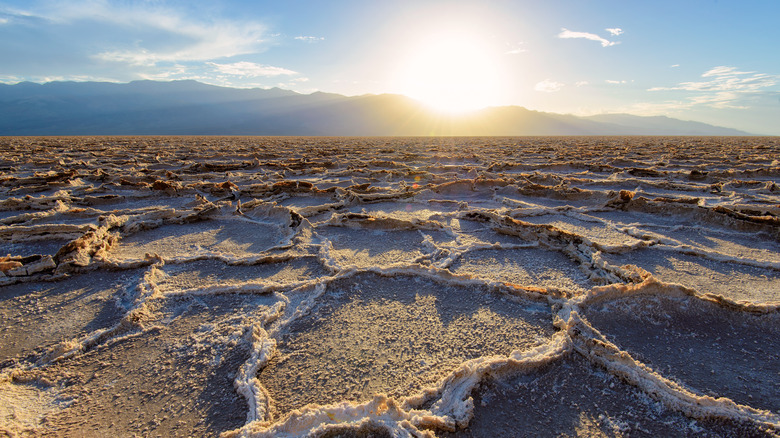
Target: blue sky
[(704, 60)]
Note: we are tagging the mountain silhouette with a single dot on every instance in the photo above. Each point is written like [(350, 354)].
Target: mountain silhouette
[(193, 108)]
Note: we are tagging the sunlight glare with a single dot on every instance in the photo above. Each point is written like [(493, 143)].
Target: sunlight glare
[(451, 71)]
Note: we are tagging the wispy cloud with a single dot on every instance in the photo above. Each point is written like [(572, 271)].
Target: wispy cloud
[(614, 31), (309, 39), (548, 86), (724, 87), (581, 83), (198, 43), (119, 40), (250, 69), (725, 78), (10, 15), (566, 33), (724, 71), (176, 71), (515, 49), (614, 82), (11, 79), (146, 33)]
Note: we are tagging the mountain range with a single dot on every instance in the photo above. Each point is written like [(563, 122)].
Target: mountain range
[(193, 108)]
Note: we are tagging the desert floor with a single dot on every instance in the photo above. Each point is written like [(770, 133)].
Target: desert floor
[(458, 287)]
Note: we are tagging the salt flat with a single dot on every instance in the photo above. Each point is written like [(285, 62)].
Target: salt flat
[(282, 286)]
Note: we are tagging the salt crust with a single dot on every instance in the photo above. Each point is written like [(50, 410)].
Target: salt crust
[(502, 203)]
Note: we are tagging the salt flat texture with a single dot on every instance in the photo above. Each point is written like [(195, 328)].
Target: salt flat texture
[(284, 287)]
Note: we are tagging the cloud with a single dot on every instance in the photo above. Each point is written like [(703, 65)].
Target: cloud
[(309, 39), (548, 86), (191, 42), (10, 79), (613, 82), (515, 49), (580, 83), (724, 71), (9, 15), (121, 41), (674, 65), (566, 33), (726, 79), (145, 33), (250, 69), (724, 87), (615, 31), (174, 72)]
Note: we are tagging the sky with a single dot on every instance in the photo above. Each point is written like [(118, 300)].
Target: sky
[(712, 61)]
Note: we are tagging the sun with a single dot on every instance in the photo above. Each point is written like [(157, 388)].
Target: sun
[(452, 71)]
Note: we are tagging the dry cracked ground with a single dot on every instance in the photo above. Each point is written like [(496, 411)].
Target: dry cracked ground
[(453, 287)]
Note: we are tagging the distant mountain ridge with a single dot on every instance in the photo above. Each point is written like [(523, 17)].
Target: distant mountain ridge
[(193, 108)]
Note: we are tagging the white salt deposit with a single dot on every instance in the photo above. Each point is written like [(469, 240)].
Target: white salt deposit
[(389, 287)]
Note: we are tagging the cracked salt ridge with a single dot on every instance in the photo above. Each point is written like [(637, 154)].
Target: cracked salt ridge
[(232, 235), (603, 236), (407, 209), (573, 397), (540, 203), (302, 204), (174, 378), (527, 266), (396, 315), (128, 203), (737, 245), (211, 276), (732, 280), (38, 317), (378, 247), (476, 235), (710, 349), (547, 237)]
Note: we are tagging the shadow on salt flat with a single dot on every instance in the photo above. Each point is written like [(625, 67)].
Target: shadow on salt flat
[(597, 232), (575, 398), (472, 232), (175, 379), (756, 246), (401, 209), (24, 407), (716, 351), (371, 334), (202, 274), (37, 316), (527, 267), (129, 200), (368, 248), (230, 236), (516, 200), (32, 247), (728, 279), (753, 245), (624, 218), (298, 203), (366, 431), (6, 214)]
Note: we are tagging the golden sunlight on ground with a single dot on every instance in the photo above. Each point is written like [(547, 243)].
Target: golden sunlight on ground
[(450, 70)]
